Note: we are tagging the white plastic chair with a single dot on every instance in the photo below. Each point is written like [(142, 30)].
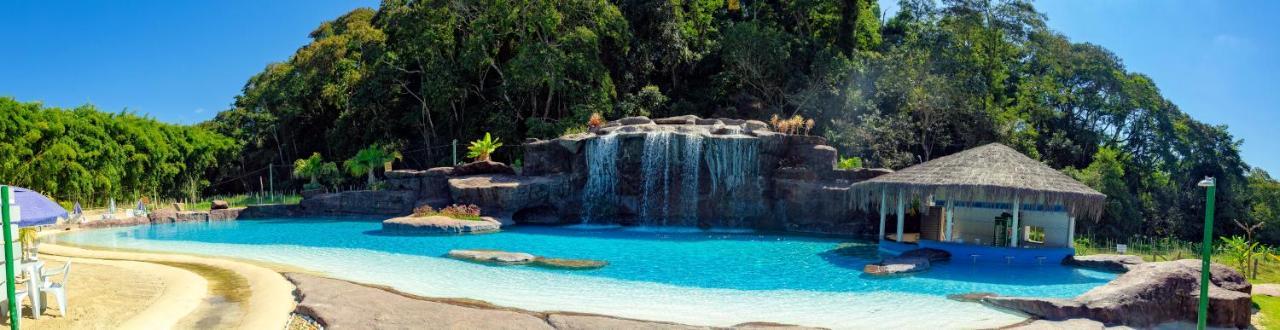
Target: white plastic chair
[(59, 289), (4, 301)]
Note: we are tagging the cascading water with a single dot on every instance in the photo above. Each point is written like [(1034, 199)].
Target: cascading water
[(692, 156), (657, 177), (600, 194), (670, 168), (661, 151), (734, 173)]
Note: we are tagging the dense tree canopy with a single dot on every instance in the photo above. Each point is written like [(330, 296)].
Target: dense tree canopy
[(90, 156), (936, 78)]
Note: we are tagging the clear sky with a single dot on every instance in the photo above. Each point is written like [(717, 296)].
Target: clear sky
[(178, 61), (182, 61)]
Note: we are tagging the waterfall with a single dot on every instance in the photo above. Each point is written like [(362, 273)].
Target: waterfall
[(692, 156), (669, 169), (732, 163), (667, 160), (656, 170), (733, 167), (600, 194)]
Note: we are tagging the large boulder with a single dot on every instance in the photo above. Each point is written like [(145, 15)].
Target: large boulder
[(492, 257), (546, 157), (1117, 263), (637, 120), (677, 120), (219, 204), (504, 195), (482, 167), (1149, 294), (439, 225)]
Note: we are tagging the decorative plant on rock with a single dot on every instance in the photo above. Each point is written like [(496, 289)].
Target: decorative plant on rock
[(313, 168), (596, 120), (849, 163), (795, 125), (456, 211), (482, 149), (369, 159)]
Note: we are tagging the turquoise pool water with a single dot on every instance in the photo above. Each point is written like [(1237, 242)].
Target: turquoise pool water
[(679, 275)]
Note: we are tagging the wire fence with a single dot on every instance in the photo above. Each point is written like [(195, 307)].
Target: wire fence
[(1149, 248)]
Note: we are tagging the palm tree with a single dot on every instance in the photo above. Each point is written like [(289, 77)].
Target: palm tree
[(481, 149), (313, 168), (368, 159)]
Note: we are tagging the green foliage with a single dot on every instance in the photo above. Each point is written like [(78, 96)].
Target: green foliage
[(481, 149), (90, 156), (1270, 308), (937, 78), (849, 163), (370, 159), (313, 168)]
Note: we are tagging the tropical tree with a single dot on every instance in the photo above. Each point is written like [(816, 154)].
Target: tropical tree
[(313, 168), (369, 159), (481, 149)]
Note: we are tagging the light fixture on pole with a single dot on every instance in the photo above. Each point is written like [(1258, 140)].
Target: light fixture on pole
[(1206, 247)]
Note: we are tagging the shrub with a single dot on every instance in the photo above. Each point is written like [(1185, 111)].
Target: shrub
[(482, 149), (313, 168), (596, 120), (369, 159), (456, 211), (795, 125), (571, 130), (849, 163)]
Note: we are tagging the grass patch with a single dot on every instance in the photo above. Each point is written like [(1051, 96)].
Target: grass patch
[(245, 200), (1270, 308)]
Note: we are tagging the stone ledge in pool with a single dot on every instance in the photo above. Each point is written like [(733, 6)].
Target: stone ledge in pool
[(439, 225), (504, 258)]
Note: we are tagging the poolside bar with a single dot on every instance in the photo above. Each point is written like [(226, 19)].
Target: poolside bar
[(986, 204)]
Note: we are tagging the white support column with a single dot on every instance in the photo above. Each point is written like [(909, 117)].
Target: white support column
[(901, 215), (1017, 206), (950, 235), (1071, 232), (882, 215)]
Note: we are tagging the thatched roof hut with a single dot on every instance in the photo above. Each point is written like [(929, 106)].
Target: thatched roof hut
[(992, 172)]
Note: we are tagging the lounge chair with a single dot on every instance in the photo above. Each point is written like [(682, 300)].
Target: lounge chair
[(59, 289)]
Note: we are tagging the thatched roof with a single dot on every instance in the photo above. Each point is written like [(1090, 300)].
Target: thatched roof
[(992, 172)]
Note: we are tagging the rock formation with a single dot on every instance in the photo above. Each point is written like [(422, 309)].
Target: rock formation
[(439, 225), (504, 258), (1149, 294), (1116, 263), (677, 171)]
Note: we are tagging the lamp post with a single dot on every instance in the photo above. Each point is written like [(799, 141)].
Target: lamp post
[(8, 214), (1202, 319)]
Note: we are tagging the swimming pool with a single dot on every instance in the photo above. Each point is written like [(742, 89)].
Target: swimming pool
[(669, 274)]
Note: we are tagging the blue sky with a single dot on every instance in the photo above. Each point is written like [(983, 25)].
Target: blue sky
[(182, 61)]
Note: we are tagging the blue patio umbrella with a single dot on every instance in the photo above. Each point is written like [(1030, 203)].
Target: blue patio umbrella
[(36, 210)]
